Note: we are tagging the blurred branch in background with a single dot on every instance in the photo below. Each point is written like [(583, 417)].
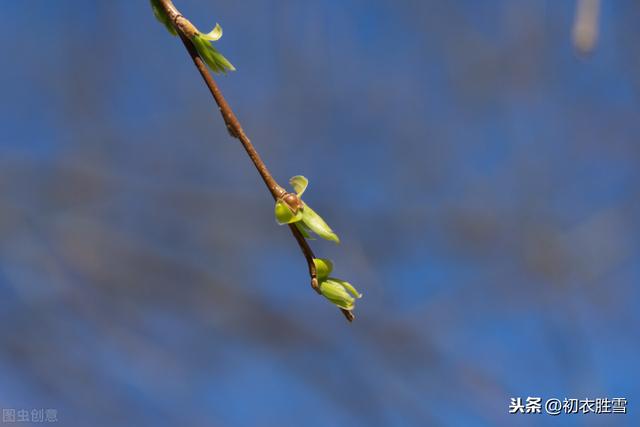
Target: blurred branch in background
[(585, 25)]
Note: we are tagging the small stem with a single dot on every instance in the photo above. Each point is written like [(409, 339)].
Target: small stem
[(308, 254)]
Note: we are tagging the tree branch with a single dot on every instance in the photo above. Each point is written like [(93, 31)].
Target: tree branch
[(186, 30)]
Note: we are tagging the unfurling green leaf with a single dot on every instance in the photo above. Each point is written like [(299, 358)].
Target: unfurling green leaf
[(306, 219), (335, 291), (284, 214), (164, 19), (215, 34), (210, 55), (323, 268), (304, 230), (299, 184), (348, 286), (315, 223), (338, 291)]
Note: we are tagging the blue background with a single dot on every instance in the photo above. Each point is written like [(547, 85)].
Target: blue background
[(482, 175)]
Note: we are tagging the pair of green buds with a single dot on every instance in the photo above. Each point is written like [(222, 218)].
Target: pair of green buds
[(201, 41), (339, 292), (290, 209)]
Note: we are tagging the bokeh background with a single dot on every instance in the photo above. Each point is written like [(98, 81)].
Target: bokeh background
[(479, 161)]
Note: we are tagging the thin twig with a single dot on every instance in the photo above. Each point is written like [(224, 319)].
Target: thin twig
[(231, 121), (186, 30), (308, 254)]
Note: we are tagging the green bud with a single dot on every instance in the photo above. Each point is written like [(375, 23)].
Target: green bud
[(162, 17), (323, 268), (284, 214), (311, 221), (335, 291), (209, 54), (315, 223)]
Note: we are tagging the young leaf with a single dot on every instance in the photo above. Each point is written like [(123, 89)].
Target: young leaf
[(314, 222), (284, 214), (209, 54), (337, 294), (304, 230), (323, 268), (158, 12), (215, 34), (299, 184), (348, 287)]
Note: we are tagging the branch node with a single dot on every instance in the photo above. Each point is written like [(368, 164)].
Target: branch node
[(314, 284)]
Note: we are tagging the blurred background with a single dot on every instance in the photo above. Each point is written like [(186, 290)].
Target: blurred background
[(479, 160)]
